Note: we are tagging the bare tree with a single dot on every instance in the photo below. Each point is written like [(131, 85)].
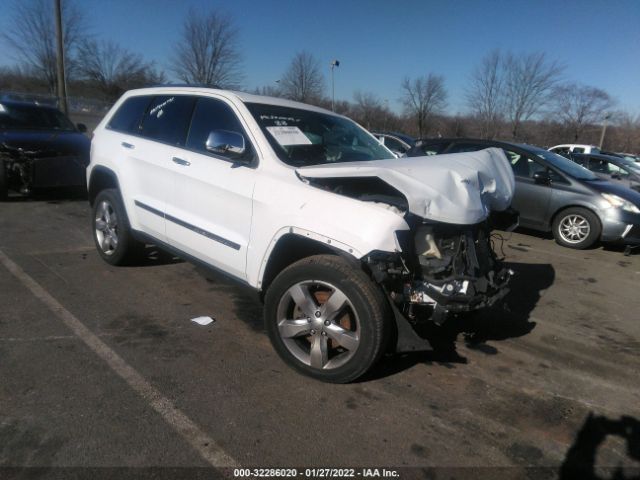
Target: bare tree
[(114, 69), (207, 52), (529, 83), (303, 81), (581, 105), (424, 97), (368, 110), (268, 90), (485, 95), (627, 131), (31, 36)]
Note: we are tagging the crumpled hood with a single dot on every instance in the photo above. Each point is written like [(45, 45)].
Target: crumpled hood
[(460, 188)]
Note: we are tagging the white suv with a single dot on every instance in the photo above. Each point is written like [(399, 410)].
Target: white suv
[(349, 246)]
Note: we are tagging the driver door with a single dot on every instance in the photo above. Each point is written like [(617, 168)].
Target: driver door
[(210, 207), (531, 198)]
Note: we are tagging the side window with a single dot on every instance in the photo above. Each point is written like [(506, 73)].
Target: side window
[(393, 144), (616, 170), (598, 166), (519, 163), (556, 177), (522, 165), (127, 118), (584, 161), (211, 114), (429, 149), (578, 150), (167, 119)]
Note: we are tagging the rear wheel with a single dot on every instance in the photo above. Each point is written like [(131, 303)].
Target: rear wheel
[(576, 228), (111, 231), (326, 318)]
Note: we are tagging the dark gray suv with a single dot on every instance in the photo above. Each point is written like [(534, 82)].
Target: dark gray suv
[(554, 193)]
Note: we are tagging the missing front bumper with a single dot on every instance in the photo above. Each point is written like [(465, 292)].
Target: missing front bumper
[(461, 294)]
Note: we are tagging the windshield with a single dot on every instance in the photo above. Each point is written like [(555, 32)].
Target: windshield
[(303, 137), (564, 165), (31, 117)]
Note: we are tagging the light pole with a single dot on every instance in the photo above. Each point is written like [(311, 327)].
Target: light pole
[(386, 114), (62, 86), (607, 116), (334, 63)]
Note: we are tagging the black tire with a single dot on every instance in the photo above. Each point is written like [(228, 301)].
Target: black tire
[(587, 223), (4, 182), (127, 250), (365, 312)]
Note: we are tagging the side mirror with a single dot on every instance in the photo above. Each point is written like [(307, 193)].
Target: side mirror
[(542, 178), (225, 142), (82, 128), (616, 176)]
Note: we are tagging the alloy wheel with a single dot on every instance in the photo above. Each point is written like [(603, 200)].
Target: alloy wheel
[(106, 224), (574, 228), (318, 324)]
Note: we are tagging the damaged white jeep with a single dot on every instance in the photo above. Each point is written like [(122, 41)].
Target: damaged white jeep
[(349, 246)]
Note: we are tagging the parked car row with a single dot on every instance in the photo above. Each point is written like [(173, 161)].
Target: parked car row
[(351, 239), (556, 194), (612, 168)]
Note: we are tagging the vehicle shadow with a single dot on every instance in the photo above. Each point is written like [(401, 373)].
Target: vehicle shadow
[(153, 256), (626, 250), (50, 195), (509, 319), (535, 233), (580, 459)]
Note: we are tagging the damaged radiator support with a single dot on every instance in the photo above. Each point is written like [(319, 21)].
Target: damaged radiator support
[(443, 269)]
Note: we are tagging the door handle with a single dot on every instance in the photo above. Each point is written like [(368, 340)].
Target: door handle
[(128, 145), (181, 161)]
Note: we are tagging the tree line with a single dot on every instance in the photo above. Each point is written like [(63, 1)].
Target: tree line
[(521, 97)]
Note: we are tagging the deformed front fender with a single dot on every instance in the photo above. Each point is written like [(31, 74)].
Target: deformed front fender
[(348, 225)]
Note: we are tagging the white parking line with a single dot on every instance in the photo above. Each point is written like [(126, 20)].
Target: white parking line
[(210, 451)]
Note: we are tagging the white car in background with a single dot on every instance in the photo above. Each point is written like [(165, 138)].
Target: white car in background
[(348, 245), (568, 148)]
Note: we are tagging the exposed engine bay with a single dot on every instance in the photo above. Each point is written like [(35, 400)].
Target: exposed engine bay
[(18, 165), (26, 169), (442, 268), (444, 262)]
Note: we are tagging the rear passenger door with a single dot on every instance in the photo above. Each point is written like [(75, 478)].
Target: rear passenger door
[(149, 168), (210, 205)]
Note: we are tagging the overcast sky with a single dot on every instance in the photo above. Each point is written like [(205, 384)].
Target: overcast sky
[(380, 42)]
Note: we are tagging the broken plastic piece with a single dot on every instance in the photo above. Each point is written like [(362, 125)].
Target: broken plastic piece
[(203, 320)]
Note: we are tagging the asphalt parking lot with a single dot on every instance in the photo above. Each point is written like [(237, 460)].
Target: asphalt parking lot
[(101, 367)]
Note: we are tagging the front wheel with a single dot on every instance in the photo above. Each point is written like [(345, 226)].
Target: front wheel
[(326, 318), (576, 228)]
